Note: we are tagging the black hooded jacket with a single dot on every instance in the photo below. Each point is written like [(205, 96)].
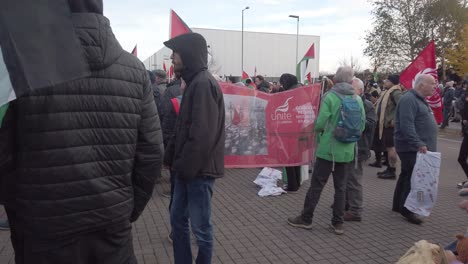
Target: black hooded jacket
[(87, 152), (264, 87), (197, 147), (169, 116)]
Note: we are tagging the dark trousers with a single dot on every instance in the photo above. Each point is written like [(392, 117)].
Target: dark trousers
[(322, 170), (294, 178), (463, 156), (172, 179), (111, 245), (446, 113), (354, 189), (403, 186)]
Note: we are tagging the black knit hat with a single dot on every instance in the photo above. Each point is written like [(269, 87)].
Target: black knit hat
[(394, 78)]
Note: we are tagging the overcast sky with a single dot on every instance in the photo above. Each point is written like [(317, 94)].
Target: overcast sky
[(341, 24)]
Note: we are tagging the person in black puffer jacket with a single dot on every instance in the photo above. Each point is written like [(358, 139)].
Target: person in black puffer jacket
[(195, 153), (86, 155)]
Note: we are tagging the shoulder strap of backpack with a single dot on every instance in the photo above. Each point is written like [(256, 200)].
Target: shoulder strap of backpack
[(176, 105), (342, 96)]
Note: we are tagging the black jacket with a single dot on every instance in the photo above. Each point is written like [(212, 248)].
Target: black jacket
[(197, 147), (264, 87), (464, 111), (87, 152), (169, 117), (367, 137)]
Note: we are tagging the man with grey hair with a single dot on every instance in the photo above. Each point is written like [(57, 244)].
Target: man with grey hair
[(333, 156), (354, 184), (415, 131)]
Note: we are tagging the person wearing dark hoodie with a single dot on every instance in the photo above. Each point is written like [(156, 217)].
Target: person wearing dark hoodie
[(195, 153), (333, 156), (85, 155), (289, 82), (262, 85)]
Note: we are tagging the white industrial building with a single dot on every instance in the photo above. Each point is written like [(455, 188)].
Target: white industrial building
[(272, 54)]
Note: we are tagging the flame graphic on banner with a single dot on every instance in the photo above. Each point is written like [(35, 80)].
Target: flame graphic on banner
[(430, 71), (435, 100), (284, 107)]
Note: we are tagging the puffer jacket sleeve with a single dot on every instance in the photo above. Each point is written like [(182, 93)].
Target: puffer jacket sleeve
[(7, 132), (149, 153)]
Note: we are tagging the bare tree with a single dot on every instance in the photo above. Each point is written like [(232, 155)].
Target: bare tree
[(402, 28), (352, 62)]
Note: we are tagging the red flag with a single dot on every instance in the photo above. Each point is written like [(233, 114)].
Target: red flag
[(177, 26), (245, 76), (134, 51), (425, 63), (164, 67), (171, 71), (309, 78), (310, 54)]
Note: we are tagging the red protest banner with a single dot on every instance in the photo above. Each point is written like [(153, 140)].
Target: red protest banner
[(269, 129)]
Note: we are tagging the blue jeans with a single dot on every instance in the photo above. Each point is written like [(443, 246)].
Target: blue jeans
[(192, 200)]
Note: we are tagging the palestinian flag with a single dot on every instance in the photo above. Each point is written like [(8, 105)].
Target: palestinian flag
[(246, 77), (177, 26), (38, 47), (301, 67), (308, 79), (134, 51)]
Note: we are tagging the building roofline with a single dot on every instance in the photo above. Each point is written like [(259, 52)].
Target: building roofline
[(273, 33)]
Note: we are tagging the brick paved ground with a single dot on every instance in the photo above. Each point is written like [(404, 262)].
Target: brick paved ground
[(250, 229)]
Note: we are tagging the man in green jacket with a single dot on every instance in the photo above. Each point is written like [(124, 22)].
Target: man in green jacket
[(333, 157)]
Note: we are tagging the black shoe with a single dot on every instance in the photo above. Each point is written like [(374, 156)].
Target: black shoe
[(382, 172), (375, 164), (389, 175), (4, 224), (299, 222), (412, 218), (337, 229), (461, 185)]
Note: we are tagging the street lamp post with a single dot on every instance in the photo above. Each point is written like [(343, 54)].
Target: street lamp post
[(242, 46), (297, 35)]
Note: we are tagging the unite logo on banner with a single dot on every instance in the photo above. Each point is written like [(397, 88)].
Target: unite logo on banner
[(281, 112)]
